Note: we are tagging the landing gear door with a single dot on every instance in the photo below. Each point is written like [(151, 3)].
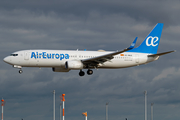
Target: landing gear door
[(26, 55)]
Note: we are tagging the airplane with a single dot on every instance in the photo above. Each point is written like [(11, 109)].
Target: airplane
[(66, 60)]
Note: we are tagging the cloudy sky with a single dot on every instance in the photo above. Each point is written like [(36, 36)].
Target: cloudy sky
[(92, 25)]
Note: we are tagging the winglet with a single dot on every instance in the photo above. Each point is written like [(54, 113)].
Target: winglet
[(132, 44)]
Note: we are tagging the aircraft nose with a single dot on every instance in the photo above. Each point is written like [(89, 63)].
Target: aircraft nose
[(6, 59)]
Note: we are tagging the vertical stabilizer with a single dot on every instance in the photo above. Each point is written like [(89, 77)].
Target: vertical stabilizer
[(151, 42)]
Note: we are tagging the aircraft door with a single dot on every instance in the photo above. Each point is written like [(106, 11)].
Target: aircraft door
[(137, 58), (26, 55)]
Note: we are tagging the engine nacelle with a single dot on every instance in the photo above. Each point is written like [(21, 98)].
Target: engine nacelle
[(74, 64), (57, 69)]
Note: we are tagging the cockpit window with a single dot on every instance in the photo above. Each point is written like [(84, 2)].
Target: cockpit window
[(14, 55)]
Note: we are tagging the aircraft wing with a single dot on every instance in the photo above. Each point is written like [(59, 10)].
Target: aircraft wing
[(96, 61)]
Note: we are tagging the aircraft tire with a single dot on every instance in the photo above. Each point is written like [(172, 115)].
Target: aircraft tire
[(81, 73), (20, 71), (89, 72)]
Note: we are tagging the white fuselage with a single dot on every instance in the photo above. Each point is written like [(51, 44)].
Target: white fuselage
[(66, 60), (57, 58)]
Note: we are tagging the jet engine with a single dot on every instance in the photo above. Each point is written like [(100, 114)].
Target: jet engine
[(74, 64), (58, 69)]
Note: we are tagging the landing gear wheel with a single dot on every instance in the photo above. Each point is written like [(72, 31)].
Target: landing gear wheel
[(89, 72), (81, 73), (20, 71)]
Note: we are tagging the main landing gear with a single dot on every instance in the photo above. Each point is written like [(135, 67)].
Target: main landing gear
[(82, 73), (89, 72)]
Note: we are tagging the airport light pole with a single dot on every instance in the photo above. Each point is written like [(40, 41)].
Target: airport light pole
[(85, 114), (152, 111), (63, 99), (2, 104), (60, 110), (145, 93), (107, 110), (54, 105)]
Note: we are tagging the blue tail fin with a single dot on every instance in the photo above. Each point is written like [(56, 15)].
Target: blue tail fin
[(151, 43)]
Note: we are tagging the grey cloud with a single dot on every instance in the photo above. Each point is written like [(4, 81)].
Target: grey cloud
[(91, 25)]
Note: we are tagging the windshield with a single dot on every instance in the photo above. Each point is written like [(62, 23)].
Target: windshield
[(14, 55)]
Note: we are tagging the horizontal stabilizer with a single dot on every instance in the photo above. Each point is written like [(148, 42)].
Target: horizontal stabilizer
[(159, 54)]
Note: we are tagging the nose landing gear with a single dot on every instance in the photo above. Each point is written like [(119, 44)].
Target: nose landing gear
[(19, 67), (20, 71)]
